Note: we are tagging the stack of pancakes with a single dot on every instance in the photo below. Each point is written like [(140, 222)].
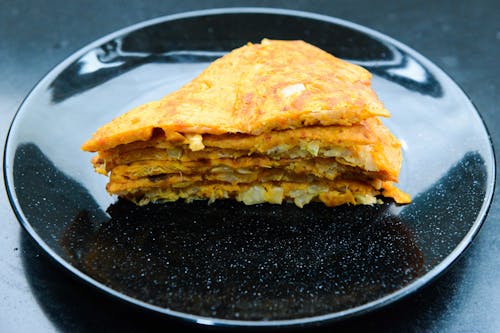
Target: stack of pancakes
[(270, 122)]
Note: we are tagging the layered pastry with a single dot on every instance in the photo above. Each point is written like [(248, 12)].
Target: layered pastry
[(270, 122)]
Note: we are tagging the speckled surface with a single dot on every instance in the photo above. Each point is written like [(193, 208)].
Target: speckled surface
[(264, 262), (465, 298), (228, 261)]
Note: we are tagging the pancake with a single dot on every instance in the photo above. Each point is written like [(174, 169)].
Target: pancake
[(279, 120)]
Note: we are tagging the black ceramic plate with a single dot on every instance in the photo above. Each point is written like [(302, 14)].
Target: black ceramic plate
[(227, 263)]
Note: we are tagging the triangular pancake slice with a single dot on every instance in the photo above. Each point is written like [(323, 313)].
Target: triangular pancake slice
[(268, 122)]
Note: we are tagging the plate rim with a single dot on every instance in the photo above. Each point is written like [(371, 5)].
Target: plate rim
[(390, 298)]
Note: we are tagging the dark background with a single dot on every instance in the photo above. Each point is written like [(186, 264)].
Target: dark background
[(462, 37)]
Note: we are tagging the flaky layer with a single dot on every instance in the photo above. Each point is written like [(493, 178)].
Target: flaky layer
[(361, 157), (369, 146), (369, 131), (237, 170), (257, 88), (331, 193)]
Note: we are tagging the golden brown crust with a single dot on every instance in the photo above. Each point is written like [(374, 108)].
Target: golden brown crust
[(274, 85)]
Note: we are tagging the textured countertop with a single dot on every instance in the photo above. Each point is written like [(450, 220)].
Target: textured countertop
[(463, 38)]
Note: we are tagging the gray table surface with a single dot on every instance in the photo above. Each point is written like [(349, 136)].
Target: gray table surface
[(462, 37)]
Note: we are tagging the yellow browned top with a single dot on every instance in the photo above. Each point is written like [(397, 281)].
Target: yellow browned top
[(254, 89)]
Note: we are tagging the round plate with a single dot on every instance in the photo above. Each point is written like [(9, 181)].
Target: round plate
[(226, 263)]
